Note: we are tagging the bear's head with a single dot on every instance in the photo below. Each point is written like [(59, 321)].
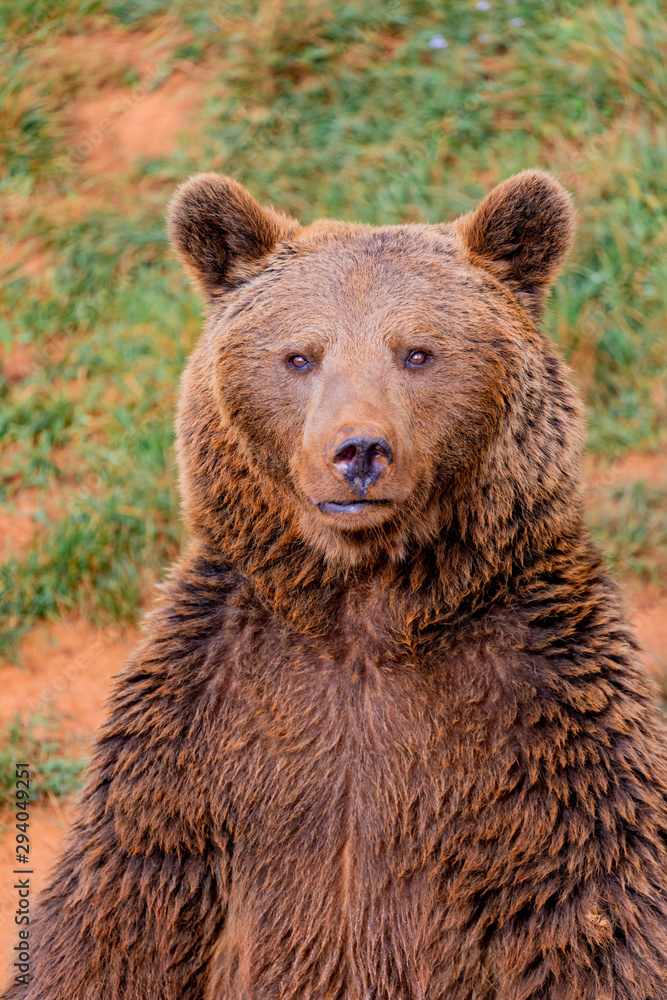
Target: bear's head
[(363, 392)]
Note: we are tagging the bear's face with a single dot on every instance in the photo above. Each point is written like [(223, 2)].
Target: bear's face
[(365, 371)]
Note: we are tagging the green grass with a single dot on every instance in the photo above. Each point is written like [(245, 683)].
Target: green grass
[(631, 525), (52, 768), (337, 109)]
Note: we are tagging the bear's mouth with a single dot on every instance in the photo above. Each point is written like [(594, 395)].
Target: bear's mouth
[(346, 506)]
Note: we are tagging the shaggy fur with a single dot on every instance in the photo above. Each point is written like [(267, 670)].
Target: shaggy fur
[(400, 754)]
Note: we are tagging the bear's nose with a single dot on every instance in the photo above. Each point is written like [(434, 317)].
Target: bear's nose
[(362, 460)]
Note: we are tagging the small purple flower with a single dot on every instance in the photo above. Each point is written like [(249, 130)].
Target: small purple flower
[(438, 42), (483, 5), (517, 22)]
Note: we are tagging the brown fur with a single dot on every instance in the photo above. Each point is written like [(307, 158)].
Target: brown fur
[(395, 755)]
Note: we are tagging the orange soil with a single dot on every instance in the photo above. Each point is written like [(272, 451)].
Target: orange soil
[(107, 48), (648, 614), (17, 528), (16, 363), (111, 132), (67, 667), (650, 469)]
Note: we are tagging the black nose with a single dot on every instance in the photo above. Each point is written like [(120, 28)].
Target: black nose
[(362, 460)]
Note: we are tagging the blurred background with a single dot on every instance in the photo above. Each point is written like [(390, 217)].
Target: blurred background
[(400, 111)]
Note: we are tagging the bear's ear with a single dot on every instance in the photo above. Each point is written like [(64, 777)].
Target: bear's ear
[(221, 235), (521, 233)]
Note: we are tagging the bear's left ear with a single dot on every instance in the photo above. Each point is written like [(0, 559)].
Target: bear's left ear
[(521, 233), (221, 235)]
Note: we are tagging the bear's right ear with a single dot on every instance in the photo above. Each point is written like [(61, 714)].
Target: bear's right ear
[(221, 235), (521, 233)]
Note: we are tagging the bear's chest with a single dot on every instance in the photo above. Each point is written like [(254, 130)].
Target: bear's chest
[(343, 774), (341, 738)]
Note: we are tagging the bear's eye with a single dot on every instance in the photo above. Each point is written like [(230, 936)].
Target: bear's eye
[(417, 359), (298, 361)]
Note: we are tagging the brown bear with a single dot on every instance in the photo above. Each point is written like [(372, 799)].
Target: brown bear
[(387, 737)]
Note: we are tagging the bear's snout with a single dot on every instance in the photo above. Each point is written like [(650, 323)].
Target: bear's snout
[(361, 460)]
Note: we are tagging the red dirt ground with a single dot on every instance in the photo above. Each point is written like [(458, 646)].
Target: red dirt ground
[(67, 667), (111, 132)]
